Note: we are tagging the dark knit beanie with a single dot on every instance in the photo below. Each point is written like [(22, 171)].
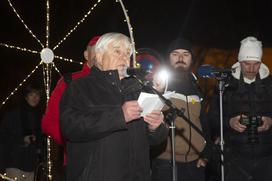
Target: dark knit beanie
[(180, 43)]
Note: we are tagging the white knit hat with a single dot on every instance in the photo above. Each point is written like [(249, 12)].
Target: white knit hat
[(250, 49)]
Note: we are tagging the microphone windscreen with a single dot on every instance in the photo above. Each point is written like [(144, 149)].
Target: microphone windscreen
[(205, 71)]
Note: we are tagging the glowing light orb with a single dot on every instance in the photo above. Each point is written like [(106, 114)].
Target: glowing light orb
[(47, 55)]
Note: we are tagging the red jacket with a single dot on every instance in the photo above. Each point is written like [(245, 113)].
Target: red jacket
[(50, 121)]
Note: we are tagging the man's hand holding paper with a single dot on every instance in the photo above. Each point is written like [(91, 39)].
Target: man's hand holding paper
[(131, 110), (154, 119)]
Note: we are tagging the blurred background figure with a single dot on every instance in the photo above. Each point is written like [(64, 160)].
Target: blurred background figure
[(148, 59), (21, 136)]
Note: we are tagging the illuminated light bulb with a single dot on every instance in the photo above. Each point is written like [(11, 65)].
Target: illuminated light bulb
[(161, 79), (163, 75), (47, 55), (138, 65)]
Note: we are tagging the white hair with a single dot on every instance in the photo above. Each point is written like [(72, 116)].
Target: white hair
[(116, 38)]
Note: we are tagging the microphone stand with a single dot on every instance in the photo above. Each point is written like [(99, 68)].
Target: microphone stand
[(222, 78), (172, 116), (173, 113), (221, 87)]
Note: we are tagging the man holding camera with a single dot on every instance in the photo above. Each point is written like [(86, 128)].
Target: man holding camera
[(247, 116)]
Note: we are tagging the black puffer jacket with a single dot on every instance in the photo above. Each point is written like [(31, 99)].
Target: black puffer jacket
[(100, 145), (239, 98)]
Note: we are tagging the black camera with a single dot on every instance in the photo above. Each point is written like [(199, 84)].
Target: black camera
[(252, 123)]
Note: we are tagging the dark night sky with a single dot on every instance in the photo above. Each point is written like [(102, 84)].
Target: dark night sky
[(207, 23)]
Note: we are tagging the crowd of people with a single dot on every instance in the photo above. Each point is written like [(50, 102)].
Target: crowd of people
[(94, 114)]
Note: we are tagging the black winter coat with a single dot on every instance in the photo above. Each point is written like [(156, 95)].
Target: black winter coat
[(100, 145), (18, 123)]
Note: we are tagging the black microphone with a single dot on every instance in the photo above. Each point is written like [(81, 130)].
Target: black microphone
[(209, 71), (138, 72)]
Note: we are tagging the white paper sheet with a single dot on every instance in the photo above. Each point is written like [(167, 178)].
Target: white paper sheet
[(150, 102)]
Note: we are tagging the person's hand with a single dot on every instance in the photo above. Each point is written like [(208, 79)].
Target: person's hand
[(131, 110), (201, 162), (236, 125), (29, 139), (267, 123), (217, 141), (154, 119), (158, 83)]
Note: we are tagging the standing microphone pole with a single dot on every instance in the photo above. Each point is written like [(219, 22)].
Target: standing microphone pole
[(208, 71), (171, 117), (172, 114), (172, 127), (174, 167), (222, 75), (222, 81), (221, 90)]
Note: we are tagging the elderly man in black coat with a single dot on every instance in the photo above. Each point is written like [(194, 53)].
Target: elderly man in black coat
[(107, 139)]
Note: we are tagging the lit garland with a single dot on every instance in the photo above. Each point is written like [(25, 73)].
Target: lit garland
[(47, 27), (56, 68), (77, 24), (19, 48), (47, 78), (14, 10), (130, 29), (68, 60), (16, 89), (49, 162), (47, 82)]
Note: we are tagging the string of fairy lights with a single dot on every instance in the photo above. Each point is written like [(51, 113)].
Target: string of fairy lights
[(47, 27), (130, 29), (47, 43), (77, 24), (22, 21), (68, 60), (47, 82), (19, 48), (24, 80), (47, 57)]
